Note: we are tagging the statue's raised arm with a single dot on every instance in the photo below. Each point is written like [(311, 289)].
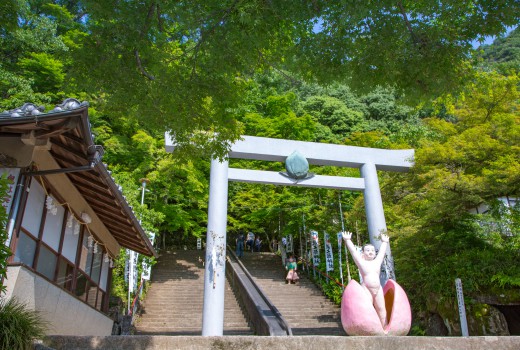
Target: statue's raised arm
[(347, 238), (382, 249)]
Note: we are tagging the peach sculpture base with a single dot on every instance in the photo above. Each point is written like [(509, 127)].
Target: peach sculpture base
[(359, 317)]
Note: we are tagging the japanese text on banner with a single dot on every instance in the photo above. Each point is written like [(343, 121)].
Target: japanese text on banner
[(329, 258), (315, 248)]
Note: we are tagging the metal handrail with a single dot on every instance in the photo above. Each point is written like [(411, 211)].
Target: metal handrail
[(136, 299)]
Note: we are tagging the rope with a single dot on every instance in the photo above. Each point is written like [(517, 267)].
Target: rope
[(348, 267), (343, 230), (323, 273)]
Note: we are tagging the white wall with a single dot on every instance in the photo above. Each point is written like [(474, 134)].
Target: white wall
[(64, 314)]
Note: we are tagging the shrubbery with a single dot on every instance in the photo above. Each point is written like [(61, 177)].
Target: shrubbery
[(19, 326)]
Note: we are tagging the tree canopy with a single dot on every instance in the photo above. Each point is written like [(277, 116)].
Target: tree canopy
[(504, 54), (186, 65), (375, 74)]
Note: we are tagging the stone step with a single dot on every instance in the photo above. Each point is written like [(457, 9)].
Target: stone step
[(174, 302), (188, 325), (196, 342), (146, 326), (167, 307), (175, 317), (303, 305), (194, 332), (170, 295)]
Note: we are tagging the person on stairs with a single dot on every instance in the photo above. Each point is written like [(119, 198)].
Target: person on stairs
[(291, 266), (240, 245), (258, 244), (250, 240)]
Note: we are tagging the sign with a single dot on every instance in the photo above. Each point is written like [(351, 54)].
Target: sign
[(315, 248), (329, 257), (340, 240), (12, 180), (462, 308)]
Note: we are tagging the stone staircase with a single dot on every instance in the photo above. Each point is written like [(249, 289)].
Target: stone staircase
[(173, 304), (303, 305), (180, 274)]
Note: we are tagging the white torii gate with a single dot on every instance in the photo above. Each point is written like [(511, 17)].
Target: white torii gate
[(368, 160)]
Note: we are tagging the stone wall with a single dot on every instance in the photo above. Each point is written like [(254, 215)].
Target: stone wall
[(63, 313)]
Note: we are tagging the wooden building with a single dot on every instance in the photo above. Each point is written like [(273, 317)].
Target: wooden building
[(68, 219)]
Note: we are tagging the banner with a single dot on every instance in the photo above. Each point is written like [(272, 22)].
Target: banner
[(289, 244), (315, 248), (12, 179), (329, 257), (127, 266), (132, 271), (147, 268)]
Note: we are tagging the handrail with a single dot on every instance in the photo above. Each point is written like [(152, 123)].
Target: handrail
[(136, 299), (266, 318)]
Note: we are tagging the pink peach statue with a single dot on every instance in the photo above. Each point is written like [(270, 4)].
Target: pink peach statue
[(369, 309)]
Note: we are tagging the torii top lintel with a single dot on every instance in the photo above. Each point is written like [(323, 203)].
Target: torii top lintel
[(269, 149)]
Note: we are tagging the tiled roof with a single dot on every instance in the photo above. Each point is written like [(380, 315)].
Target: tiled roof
[(72, 146)]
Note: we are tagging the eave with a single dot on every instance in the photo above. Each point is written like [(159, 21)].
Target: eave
[(66, 133)]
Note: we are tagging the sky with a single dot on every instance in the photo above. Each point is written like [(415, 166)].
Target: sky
[(489, 39)]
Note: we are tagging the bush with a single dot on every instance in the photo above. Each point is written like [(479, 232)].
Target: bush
[(19, 326)]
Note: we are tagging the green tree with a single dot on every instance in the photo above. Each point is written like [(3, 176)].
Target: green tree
[(471, 161), (181, 193), (31, 52), (504, 53), (334, 114), (185, 66), (275, 117)]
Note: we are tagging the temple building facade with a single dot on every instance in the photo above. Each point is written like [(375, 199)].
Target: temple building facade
[(67, 218)]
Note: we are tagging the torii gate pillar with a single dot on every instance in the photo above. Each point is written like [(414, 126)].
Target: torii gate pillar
[(376, 216), (215, 276)]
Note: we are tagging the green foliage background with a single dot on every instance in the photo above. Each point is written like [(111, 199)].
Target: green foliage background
[(210, 71)]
